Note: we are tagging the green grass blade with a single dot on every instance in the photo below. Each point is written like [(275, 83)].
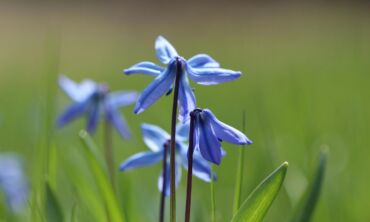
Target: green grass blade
[(305, 209), (213, 198), (259, 201), (96, 165), (52, 208)]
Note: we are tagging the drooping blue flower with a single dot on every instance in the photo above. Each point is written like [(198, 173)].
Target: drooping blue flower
[(13, 182), (210, 132), (200, 68), (94, 100), (156, 138)]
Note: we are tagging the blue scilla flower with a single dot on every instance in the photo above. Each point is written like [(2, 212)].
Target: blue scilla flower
[(156, 139), (93, 100), (13, 182), (210, 132), (200, 68)]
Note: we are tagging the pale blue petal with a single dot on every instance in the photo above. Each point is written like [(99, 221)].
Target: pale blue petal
[(118, 121), (202, 61), (206, 140), (187, 102), (147, 68), (154, 136), (72, 112), (93, 118), (156, 89), (77, 92), (164, 50), (211, 76), (201, 167), (168, 180), (141, 159), (182, 131), (122, 98), (224, 131)]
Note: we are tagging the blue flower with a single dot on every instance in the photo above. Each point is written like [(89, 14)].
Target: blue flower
[(156, 138), (13, 182), (210, 132), (200, 68), (92, 99)]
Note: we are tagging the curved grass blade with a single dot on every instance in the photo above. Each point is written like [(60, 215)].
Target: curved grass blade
[(305, 209), (259, 201), (52, 208), (101, 177)]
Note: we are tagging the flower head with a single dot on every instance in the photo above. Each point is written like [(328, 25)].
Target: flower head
[(200, 68), (13, 182), (210, 132), (156, 138), (93, 100)]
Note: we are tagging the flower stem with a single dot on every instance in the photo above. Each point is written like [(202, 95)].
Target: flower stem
[(164, 179), (190, 167), (173, 142), (109, 152), (213, 200), (239, 175)]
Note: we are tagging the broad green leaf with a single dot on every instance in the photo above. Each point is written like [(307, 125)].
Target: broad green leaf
[(259, 201), (306, 207), (52, 208), (96, 165)]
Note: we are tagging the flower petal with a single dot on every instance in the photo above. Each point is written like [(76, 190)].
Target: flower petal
[(154, 136), (164, 50), (147, 68), (211, 76), (201, 167), (77, 92), (207, 142), (141, 159), (168, 180), (156, 89), (93, 118), (122, 98), (224, 131), (72, 112), (114, 117), (182, 131), (202, 61), (187, 102)]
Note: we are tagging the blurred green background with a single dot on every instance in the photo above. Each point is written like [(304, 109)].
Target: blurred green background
[(305, 87)]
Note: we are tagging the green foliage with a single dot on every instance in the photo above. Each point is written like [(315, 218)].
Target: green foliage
[(53, 209), (259, 201), (305, 209)]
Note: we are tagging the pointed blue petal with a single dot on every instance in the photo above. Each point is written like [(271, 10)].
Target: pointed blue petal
[(93, 118), (77, 92), (201, 167), (207, 142), (224, 131), (72, 112), (211, 76), (168, 180), (182, 131), (154, 136), (164, 50), (156, 89), (141, 159), (147, 68), (202, 61), (122, 98), (118, 121), (187, 102)]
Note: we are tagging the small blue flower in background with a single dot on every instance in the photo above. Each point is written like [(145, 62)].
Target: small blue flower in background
[(13, 182), (92, 99), (200, 68), (156, 138), (210, 132)]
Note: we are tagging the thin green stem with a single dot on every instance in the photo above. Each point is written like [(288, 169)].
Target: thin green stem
[(239, 175), (108, 151), (213, 199), (173, 142)]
